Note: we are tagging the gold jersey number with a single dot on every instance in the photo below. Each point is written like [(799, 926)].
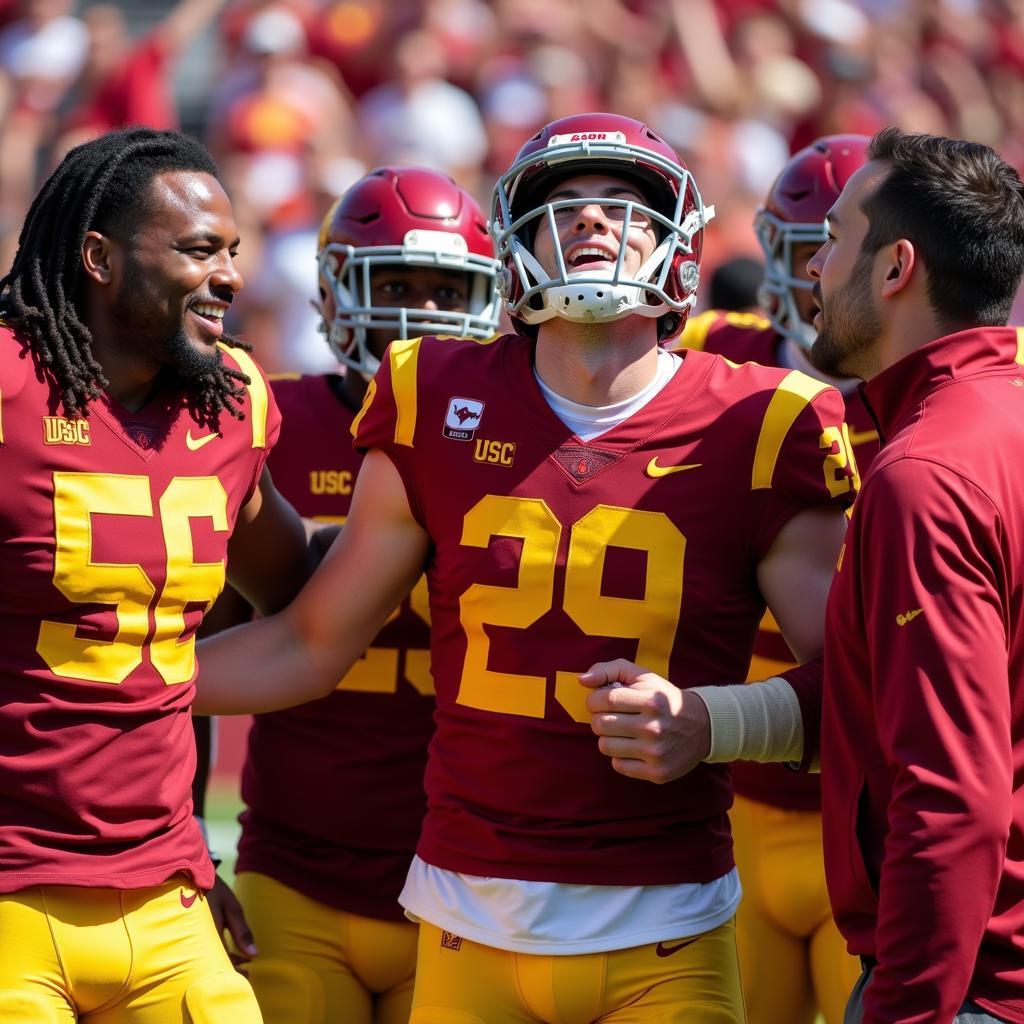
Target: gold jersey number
[(125, 585), (651, 620)]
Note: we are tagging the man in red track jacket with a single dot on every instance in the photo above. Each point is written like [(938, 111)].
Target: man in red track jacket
[(923, 722), (922, 731)]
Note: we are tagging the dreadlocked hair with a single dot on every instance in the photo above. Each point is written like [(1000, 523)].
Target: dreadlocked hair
[(102, 185)]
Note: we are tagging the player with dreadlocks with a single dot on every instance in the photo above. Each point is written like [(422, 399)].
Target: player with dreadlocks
[(133, 438), (100, 186)]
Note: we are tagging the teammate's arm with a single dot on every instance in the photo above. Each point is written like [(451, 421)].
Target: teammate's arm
[(300, 654), (653, 730)]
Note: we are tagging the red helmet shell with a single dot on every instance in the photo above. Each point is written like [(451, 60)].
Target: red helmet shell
[(607, 144), (811, 182), (593, 128), (408, 216), (391, 201), (794, 214)]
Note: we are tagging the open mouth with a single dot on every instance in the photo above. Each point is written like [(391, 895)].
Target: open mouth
[(590, 256), (210, 315)]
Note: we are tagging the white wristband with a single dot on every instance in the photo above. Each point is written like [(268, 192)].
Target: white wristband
[(759, 722)]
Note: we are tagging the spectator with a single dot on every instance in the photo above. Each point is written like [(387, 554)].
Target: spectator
[(420, 118)]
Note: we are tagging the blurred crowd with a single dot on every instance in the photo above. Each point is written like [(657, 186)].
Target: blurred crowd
[(305, 95)]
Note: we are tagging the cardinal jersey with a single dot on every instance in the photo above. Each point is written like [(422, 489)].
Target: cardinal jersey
[(747, 337), (113, 539), (335, 787), (550, 554)]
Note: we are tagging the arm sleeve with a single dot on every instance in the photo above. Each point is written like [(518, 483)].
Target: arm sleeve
[(778, 720), (933, 593), (753, 723)]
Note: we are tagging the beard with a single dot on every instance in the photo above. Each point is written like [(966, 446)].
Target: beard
[(849, 323), (171, 348), (189, 364)]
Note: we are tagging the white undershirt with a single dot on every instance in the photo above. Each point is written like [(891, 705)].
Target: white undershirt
[(555, 918), (590, 421)]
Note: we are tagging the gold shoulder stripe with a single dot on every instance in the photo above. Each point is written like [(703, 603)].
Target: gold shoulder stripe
[(795, 392), (695, 333), (371, 394), (404, 357), (1019, 358), (489, 340), (862, 436), (284, 376), (257, 389), (753, 321)]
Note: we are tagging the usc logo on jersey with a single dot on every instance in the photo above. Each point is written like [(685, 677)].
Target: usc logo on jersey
[(330, 481), (61, 430), (498, 453)]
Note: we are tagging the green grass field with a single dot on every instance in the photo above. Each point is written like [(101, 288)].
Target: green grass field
[(223, 805)]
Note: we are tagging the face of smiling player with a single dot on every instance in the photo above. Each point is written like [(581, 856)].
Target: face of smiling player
[(591, 233), (177, 274)]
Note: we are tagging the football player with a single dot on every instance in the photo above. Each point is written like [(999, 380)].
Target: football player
[(335, 802), (794, 962), (574, 491), (133, 439)]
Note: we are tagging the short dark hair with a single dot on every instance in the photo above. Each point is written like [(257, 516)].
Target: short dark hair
[(102, 185), (962, 207)]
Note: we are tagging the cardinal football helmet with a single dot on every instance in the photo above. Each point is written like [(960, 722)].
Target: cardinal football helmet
[(794, 212), (664, 287), (408, 216)]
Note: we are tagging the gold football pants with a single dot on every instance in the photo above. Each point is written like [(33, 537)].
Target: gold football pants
[(116, 956), (319, 965), (687, 981), (792, 958)]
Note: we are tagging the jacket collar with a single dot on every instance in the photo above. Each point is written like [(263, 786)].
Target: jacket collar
[(899, 389)]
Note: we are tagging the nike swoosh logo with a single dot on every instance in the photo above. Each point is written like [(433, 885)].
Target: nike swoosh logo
[(653, 469), (187, 901), (902, 620), (195, 443), (662, 950)]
